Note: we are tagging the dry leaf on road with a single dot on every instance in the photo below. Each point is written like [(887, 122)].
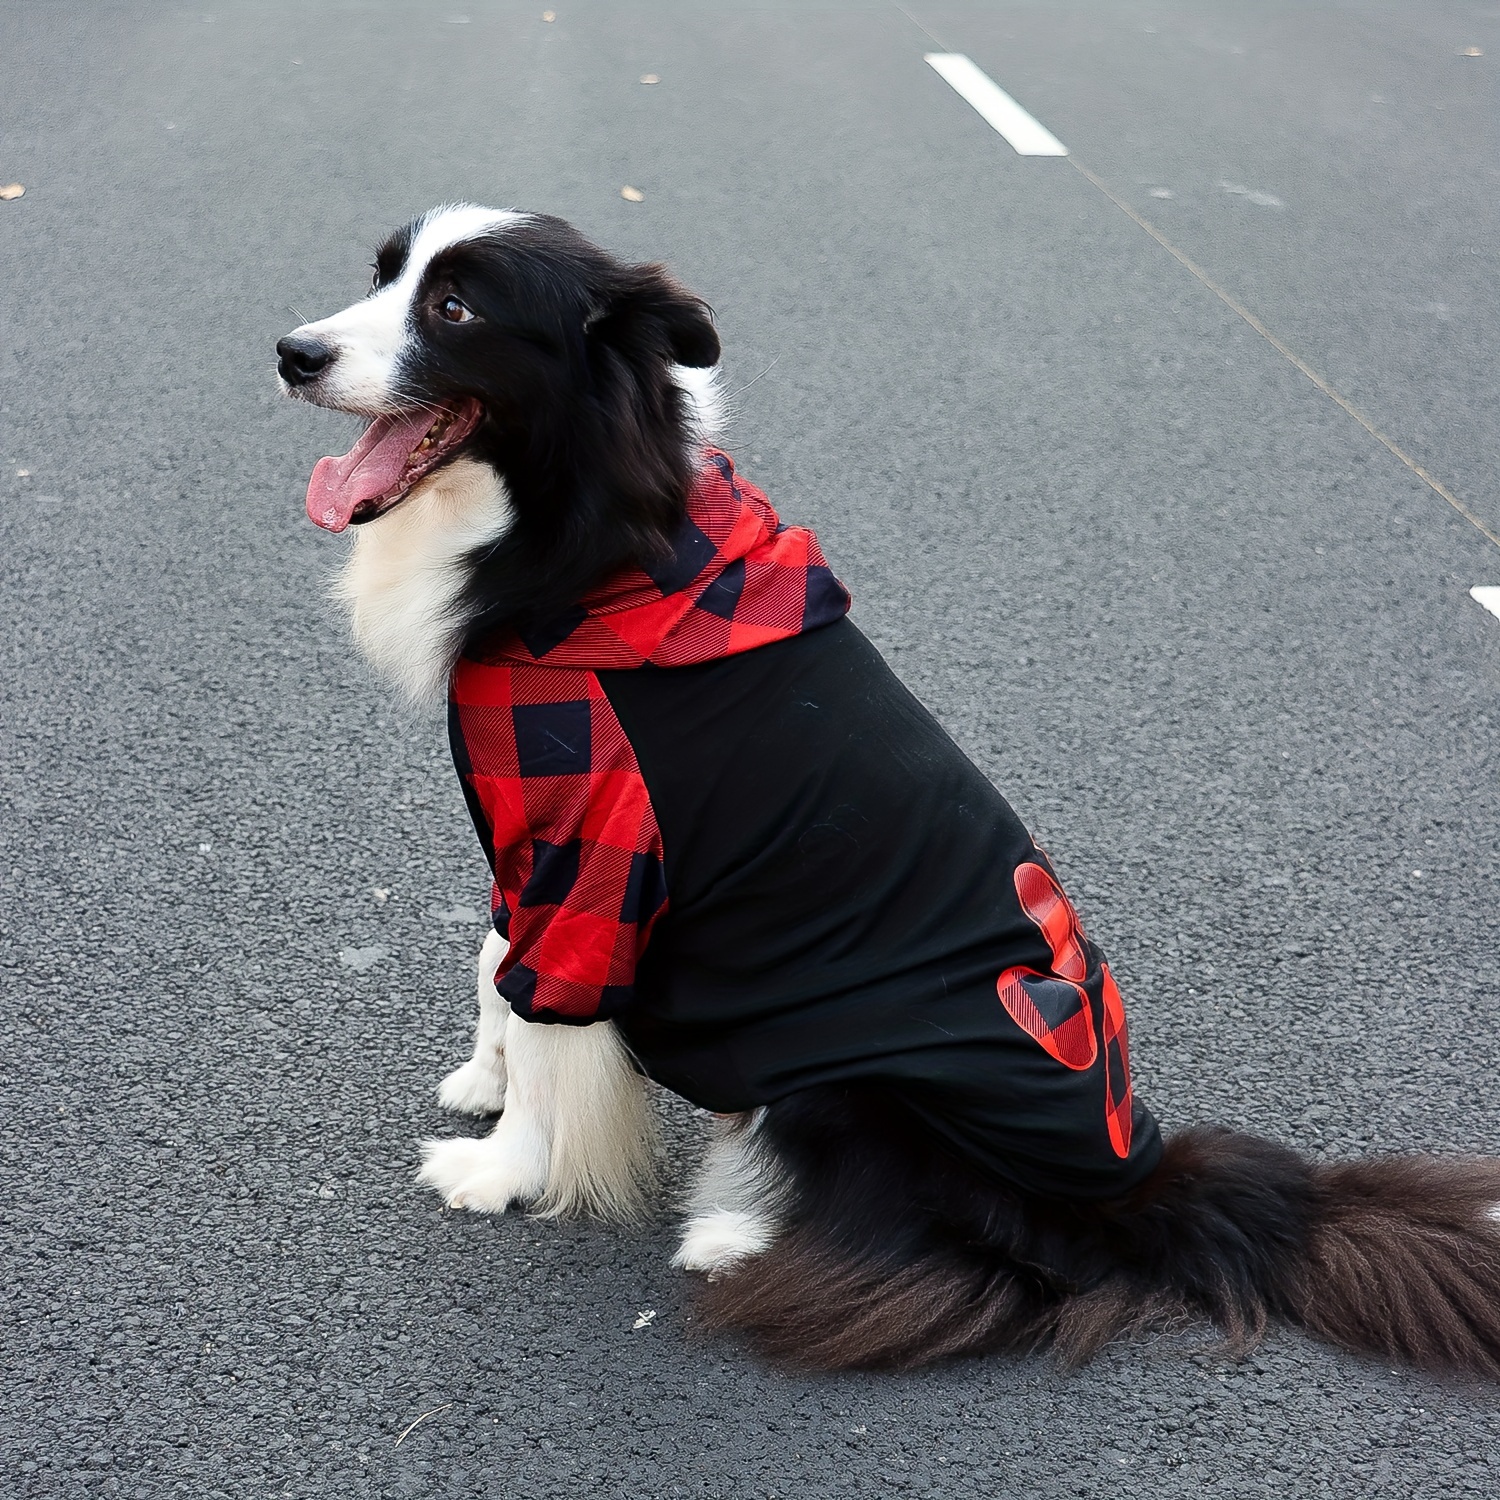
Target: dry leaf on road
[(650, 78), (632, 195), (11, 190)]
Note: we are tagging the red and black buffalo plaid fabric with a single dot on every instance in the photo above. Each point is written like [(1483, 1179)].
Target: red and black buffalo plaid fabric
[(550, 776)]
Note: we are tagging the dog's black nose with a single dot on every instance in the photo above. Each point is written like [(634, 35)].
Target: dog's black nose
[(301, 360)]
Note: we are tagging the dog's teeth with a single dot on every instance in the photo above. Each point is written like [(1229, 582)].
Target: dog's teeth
[(436, 433)]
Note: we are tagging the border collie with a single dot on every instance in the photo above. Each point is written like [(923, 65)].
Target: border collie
[(732, 854)]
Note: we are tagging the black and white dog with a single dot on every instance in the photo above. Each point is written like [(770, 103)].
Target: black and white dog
[(926, 1143)]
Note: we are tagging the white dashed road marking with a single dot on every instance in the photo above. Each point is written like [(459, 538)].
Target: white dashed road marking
[(1488, 596), (1028, 136)]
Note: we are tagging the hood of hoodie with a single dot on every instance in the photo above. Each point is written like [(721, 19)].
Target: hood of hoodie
[(735, 579)]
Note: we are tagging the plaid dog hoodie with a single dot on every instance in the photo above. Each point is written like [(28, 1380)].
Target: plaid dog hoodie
[(716, 818)]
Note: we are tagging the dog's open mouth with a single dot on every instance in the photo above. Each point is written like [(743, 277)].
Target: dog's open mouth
[(378, 471)]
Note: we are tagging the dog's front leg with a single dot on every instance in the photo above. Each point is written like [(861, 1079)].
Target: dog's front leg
[(478, 1088), (576, 1135), (510, 1164)]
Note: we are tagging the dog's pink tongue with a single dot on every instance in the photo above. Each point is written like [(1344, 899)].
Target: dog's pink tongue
[(368, 469)]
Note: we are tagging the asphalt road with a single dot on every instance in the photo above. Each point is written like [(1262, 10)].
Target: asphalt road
[(1213, 641)]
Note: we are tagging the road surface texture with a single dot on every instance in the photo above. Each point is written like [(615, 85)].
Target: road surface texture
[(1211, 638)]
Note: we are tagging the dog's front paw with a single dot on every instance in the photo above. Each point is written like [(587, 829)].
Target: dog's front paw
[(477, 1088), (485, 1175), (717, 1242)]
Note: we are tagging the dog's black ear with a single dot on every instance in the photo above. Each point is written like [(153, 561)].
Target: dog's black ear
[(647, 310)]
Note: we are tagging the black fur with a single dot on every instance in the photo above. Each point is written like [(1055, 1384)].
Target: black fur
[(894, 1253), (569, 357)]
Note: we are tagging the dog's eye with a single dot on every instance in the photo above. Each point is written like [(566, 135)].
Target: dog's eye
[(454, 310)]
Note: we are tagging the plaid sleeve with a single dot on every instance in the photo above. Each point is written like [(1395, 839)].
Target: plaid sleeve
[(559, 801)]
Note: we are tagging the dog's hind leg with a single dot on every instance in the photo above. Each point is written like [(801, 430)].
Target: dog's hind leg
[(478, 1088), (732, 1211), (576, 1137)]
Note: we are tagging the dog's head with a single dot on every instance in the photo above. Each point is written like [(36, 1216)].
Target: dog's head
[(510, 339)]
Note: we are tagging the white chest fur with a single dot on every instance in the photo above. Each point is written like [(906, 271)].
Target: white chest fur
[(404, 576)]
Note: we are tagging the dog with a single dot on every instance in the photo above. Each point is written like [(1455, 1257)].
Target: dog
[(733, 854)]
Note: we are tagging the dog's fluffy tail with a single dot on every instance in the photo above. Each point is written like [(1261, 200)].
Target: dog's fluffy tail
[(897, 1255)]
